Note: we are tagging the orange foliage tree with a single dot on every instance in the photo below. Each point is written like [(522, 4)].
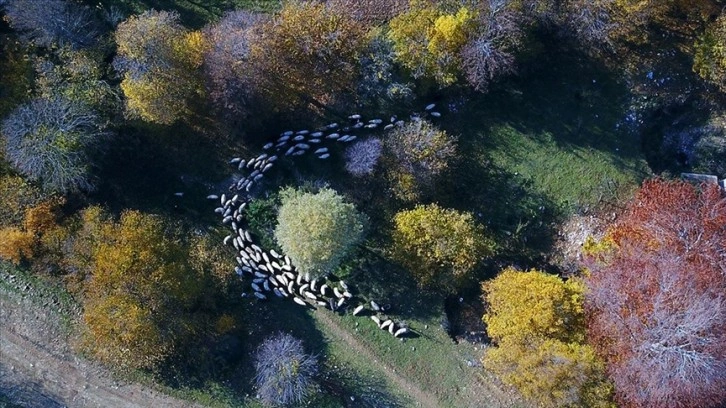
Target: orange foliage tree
[(656, 304)]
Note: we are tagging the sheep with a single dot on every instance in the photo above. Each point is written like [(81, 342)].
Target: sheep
[(430, 106), (340, 302), (277, 292), (331, 304), (375, 306), (299, 279), (260, 274), (227, 220), (272, 158), (299, 153), (324, 290), (219, 210), (275, 254), (212, 197), (313, 283), (315, 141), (337, 293), (251, 163), (343, 285), (226, 240), (400, 123), (436, 114), (376, 320), (358, 125), (307, 276), (347, 295), (290, 151), (238, 271), (392, 328), (386, 323), (222, 199), (235, 244), (322, 303), (375, 121), (248, 187), (310, 295), (260, 296), (303, 288), (268, 166), (354, 117), (291, 287), (351, 138), (316, 134), (299, 138), (289, 274), (303, 132), (388, 127), (299, 301), (332, 136), (263, 267), (266, 285), (332, 126), (255, 287), (324, 156), (303, 146), (371, 126), (321, 150), (256, 248), (276, 265), (357, 310), (268, 146), (248, 236), (235, 160)]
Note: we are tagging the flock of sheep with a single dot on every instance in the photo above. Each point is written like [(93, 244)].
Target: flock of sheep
[(272, 273)]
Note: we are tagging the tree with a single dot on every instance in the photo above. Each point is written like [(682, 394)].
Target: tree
[(307, 56), (16, 196), (428, 41), (417, 152), (230, 78), (709, 60), (538, 324), (439, 246), (371, 12), (52, 22), (159, 60), (138, 289), (656, 309), (284, 372), (361, 158), (15, 244), (49, 141), (317, 230)]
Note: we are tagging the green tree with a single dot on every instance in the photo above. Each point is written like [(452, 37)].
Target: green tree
[(160, 61), (439, 246), (538, 323), (317, 230), (709, 60)]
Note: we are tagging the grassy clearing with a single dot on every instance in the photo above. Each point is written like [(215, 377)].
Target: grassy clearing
[(557, 130)]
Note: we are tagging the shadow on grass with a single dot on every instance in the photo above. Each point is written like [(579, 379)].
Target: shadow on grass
[(367, 392)]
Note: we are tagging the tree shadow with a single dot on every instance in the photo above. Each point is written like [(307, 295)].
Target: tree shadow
[(14, 393), (355, 390)]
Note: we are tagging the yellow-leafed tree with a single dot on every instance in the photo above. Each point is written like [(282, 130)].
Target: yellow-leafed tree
[(160, 61), (439, 246), (537, 321)]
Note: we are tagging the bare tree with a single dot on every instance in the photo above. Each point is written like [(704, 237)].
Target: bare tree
[(230, 77), (48, 141), (284, 372), (361, 158), (51, 22)]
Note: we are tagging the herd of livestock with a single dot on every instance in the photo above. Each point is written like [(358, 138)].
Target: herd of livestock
[(273, 274)]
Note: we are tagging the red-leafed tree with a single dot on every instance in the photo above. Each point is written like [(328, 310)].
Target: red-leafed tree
[(657, 300)]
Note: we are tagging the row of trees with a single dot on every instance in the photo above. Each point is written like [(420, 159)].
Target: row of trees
[(646, 321)]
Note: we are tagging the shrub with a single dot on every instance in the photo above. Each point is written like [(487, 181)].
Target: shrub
[(361, 158), (16, 196), (49, 141), (317, 230), (15, 244), (538, 324), (655, 301), (709, 60), (417, 152), (439, 246), (284, 372)]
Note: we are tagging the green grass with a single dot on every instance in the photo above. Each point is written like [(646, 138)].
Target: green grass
[(557, 131)]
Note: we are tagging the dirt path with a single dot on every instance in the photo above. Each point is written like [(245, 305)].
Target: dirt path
[(38, 368), (422, 398)]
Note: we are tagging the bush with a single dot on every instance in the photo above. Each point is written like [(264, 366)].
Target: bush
[(709, 60), (49, 141), (538, 324), (159, 60), (52, 22), (317, 230), (361, 158), (16, 196), (439, 246), (284, 372), (16, 244), (417, 153)]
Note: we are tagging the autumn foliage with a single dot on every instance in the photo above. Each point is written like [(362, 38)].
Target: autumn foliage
[(537, 321), (656, 306)]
